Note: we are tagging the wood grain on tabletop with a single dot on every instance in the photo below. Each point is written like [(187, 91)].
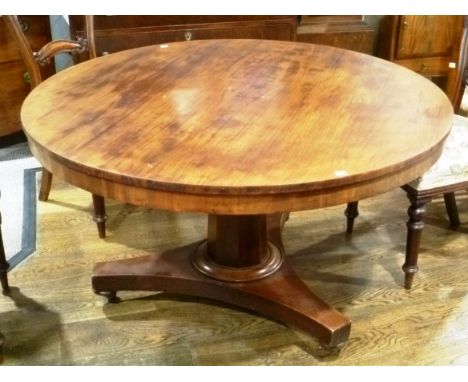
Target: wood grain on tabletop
[(238, 117)]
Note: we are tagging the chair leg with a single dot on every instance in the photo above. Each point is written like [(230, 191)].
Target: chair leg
[(2, 339), (3, 266), (452, 211), (416, 212), (4, 280), (46, 183), (351, 213), (100, 216)]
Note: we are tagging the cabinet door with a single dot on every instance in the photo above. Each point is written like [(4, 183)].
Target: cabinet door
[(426, 36)]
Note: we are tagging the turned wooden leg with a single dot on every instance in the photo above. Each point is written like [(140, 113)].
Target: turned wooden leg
[(100, 216), (3, 264), (351, 213), (46, 183), (452, 211), (416, 212)]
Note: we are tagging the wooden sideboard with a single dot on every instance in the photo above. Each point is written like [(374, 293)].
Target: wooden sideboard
[(347, 32), (428, 45), (116, 33), (13, 76)]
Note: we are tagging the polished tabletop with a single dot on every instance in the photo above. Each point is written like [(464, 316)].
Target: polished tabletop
[(238, 117)]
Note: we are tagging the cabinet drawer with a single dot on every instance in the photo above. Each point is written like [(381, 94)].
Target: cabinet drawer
[(428, 67), (103, 22), (114, 40)]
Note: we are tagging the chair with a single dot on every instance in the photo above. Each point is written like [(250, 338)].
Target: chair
[(33, 62), (448, 175)]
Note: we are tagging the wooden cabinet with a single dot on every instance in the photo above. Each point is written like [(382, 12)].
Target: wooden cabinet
[(13, 79), (428, 45), (347, 32), (116, 33)]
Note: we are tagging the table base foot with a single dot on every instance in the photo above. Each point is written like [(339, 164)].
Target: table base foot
[(281, 296)]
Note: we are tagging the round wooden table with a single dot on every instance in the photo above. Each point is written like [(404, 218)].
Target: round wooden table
[(244, 131)]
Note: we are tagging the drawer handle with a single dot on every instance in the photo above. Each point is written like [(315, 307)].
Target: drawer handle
[(24, 25), (424, 67), (188, 36), (405, 24), (27, 77)]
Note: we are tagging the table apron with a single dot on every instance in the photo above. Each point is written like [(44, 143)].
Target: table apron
[(235, 204)]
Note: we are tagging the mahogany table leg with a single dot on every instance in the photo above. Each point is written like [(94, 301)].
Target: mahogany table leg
[(278, 293)]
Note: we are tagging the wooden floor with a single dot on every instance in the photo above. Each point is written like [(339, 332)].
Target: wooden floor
[(53, 317)]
